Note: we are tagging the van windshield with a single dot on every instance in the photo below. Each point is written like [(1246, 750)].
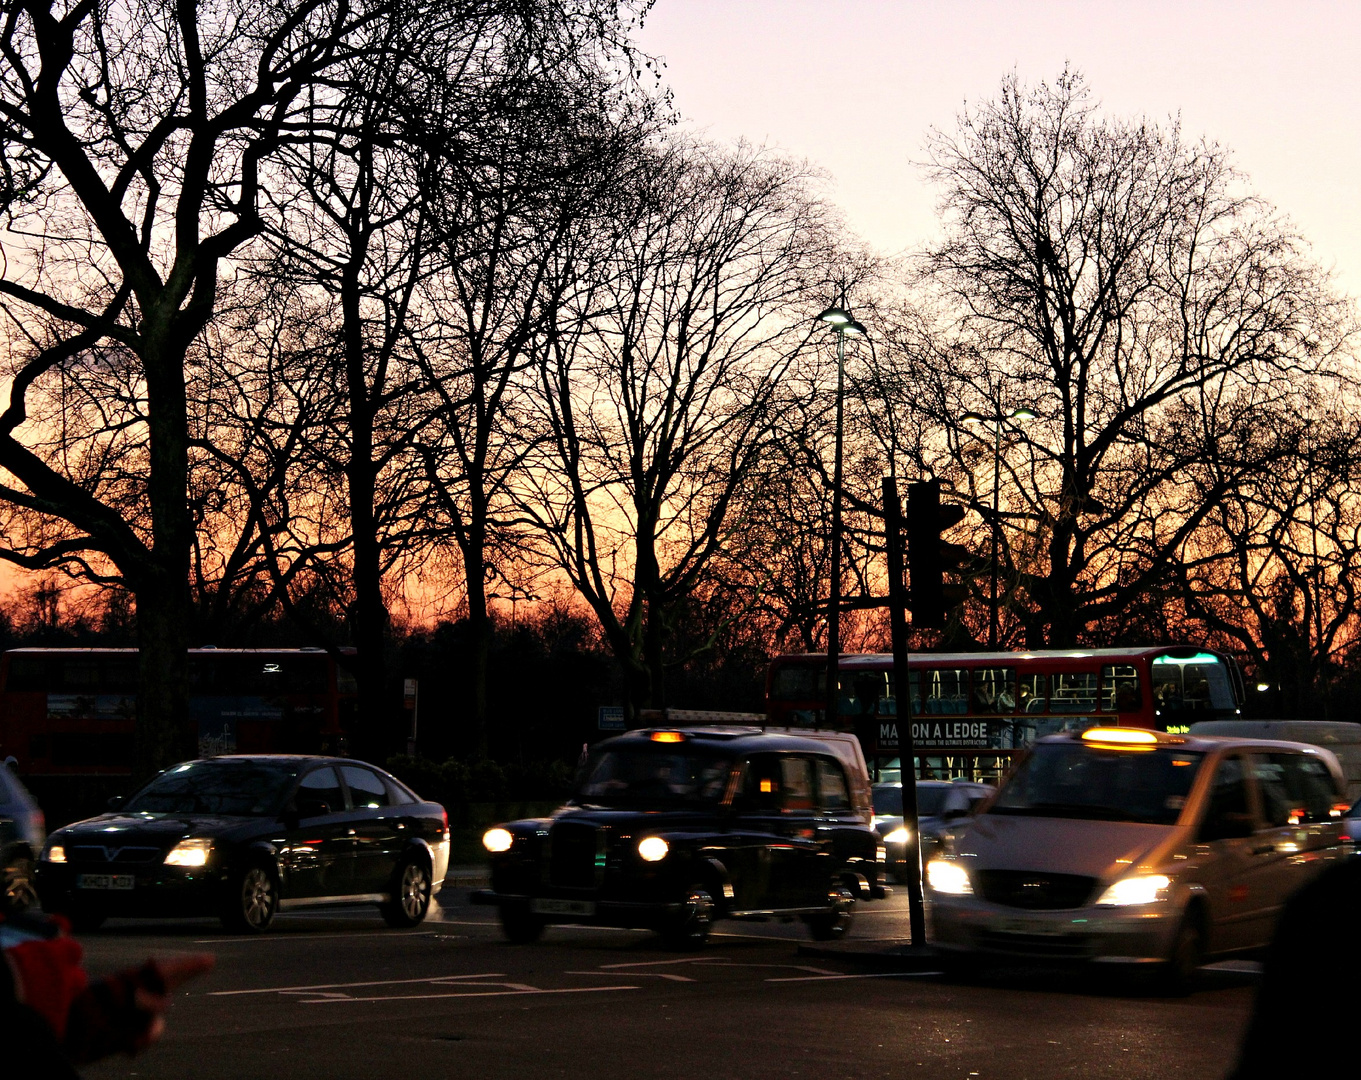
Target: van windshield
[(1075, 780), (644, 776)]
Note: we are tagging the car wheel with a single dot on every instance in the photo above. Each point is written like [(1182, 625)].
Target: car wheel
[(690, 927), (19, 893), (252, 899), (520, 925), (410, 894), (1182, 968), (833, 925)]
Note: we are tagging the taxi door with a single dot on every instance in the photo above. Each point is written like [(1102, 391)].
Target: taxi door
[(773, 833)]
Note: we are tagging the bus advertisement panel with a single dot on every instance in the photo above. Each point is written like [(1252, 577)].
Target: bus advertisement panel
[(971, 711), (68, 712)]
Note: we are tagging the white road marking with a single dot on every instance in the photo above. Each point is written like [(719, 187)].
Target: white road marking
[(354, 985), (831, 978), (637, 974), (487, 993)]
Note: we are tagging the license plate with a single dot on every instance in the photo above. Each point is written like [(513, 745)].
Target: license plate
[(550, 906), (106, 881), (1034, 927)]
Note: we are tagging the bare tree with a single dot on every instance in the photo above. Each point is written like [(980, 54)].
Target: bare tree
[(133, 137), (1114, 278), (660, 385)]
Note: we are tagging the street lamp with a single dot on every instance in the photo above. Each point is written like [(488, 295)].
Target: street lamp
[(997, 422), (839, 319)]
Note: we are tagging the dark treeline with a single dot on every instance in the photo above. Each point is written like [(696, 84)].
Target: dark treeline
[(318, 315)]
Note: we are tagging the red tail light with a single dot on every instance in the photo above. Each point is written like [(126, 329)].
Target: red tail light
[(445, 814)]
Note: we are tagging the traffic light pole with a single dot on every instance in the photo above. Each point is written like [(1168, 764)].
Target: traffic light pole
[(902, 692)]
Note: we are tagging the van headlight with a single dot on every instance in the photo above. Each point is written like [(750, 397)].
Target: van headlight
[(947, 877), (189, 853), (55, 853), (497, 840), (1140, 889), (900, 835)]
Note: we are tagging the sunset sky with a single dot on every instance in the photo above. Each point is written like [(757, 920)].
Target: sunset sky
[(854, 86)]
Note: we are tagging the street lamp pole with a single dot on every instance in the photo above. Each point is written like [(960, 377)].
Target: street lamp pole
[(997, 421), (840, 320)]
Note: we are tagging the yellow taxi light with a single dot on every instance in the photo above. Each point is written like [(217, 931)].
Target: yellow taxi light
[(1119, 736), (667, 736)]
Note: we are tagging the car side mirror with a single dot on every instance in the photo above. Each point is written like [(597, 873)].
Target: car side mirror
[(116, 803), (1229, 826), (311, 807)]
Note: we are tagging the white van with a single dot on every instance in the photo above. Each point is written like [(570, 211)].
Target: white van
[(1130, 846), (1340, 737)]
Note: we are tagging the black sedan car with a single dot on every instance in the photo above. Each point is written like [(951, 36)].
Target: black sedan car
[(244, 837), (941, 805), (671, 829)]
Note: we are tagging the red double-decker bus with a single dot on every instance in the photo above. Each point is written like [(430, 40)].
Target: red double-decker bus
[(971, 712), (67, 715)]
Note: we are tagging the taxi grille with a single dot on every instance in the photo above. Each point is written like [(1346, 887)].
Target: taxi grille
[(572, 862), (117, 856), (1032, 890)]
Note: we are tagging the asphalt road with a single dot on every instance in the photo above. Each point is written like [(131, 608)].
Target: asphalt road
[(339, 996)]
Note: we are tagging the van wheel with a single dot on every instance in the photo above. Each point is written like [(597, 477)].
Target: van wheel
[(1182, 967)]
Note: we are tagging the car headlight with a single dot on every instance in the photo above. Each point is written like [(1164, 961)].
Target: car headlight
[(1141, 889), (948, 878), (191, 852), (497, 840), (56, 853), (652, 849), (900, 835)]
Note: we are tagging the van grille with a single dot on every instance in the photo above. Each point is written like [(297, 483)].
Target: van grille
[(1033, 890), (1040, 945), (572, 863)]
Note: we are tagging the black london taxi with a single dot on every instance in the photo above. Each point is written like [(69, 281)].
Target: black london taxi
[(672, 828)]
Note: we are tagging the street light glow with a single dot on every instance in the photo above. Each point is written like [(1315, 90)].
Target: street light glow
[(839, 317)]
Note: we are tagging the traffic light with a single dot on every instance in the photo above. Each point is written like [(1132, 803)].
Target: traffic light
[(929, 557)]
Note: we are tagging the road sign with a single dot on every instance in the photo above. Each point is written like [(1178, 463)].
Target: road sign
[(611, 718)]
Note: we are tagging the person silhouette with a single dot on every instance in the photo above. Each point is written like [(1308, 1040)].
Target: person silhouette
[(1313, 957)]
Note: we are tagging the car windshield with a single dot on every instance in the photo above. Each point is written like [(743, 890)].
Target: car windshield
[(1080, 781), (242, 788), (668, 775), (888, 800)]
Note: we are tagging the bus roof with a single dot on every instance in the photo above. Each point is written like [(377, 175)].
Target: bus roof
[(976, 659)]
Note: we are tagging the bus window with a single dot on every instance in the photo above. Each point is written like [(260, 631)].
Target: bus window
[(1032, 695), (1074, 692), (864, 693), (994, 690), (798, 682), (946, 690), (1197, 685), (1120, 688)]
